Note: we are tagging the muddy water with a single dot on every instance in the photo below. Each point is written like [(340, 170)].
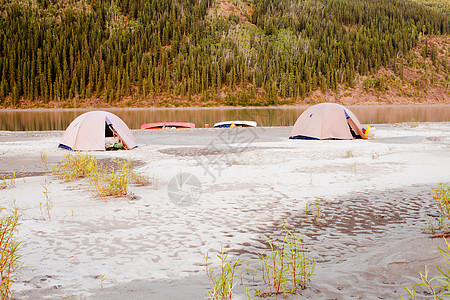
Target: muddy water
[(38, 120)]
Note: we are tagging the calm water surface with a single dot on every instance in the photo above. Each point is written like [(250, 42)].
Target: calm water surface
[(59, 119)]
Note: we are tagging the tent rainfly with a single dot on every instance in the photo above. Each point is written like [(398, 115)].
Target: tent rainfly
[(92, 131), (327, 121)]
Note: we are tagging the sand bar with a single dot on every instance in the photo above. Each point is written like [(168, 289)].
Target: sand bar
[(369, 244)]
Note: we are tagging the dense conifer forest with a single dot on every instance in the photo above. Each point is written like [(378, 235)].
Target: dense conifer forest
[(442, 5), (208, 52)]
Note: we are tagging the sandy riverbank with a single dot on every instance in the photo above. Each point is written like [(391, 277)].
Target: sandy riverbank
[(370, 244)]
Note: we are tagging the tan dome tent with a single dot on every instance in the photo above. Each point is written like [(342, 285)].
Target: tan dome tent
[(327, 121), (97, 130)]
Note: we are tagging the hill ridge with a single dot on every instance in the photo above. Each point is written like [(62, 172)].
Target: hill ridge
[(203, 53)]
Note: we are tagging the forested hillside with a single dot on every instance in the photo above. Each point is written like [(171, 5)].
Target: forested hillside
[(195, 53), (443, 5)]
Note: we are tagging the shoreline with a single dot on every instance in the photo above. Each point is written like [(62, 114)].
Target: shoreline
[(215, 107)]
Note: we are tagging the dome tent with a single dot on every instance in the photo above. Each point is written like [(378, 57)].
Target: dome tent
[(90, 131), (327, 121)]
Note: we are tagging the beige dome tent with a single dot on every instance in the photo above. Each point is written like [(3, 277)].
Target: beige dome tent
[(327, 121), (91, 131)]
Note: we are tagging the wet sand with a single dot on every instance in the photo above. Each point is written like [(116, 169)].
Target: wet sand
[(369, 243)]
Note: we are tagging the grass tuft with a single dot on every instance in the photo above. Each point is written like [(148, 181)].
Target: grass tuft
[(286, 270), (114, 182), (440, 224), (413, 123), (442, 196), (8, 181), (75, 166), (348, 154), (224, 281), (48, 205)]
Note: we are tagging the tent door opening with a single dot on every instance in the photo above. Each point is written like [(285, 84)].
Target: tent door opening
[(112, 138), (353, 128)]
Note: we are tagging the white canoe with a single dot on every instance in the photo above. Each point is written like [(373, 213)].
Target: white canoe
[(235, 124)]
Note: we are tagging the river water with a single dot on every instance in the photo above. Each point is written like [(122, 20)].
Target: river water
[(59, 119)]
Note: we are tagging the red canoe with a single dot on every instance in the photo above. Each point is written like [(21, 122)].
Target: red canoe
[(162, 125)]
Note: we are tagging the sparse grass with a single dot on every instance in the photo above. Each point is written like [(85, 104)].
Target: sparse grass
[(441, 224), (180, 180), (413, 123), (8, 181), (102, 279), (375, 155), (434, 225), (48, 205), (112, 181), (139, 179), (348, 154), (154, 182), (10, 263), (437, 287), (12, 179), (23, 173), (306, 211), (44, 158), (442, 196), (3, 184), (286, 270), (224, 281), (317, 213), (75, 166)]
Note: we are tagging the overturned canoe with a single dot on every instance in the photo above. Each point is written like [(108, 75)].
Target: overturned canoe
[(161, 125), (235, 124)]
